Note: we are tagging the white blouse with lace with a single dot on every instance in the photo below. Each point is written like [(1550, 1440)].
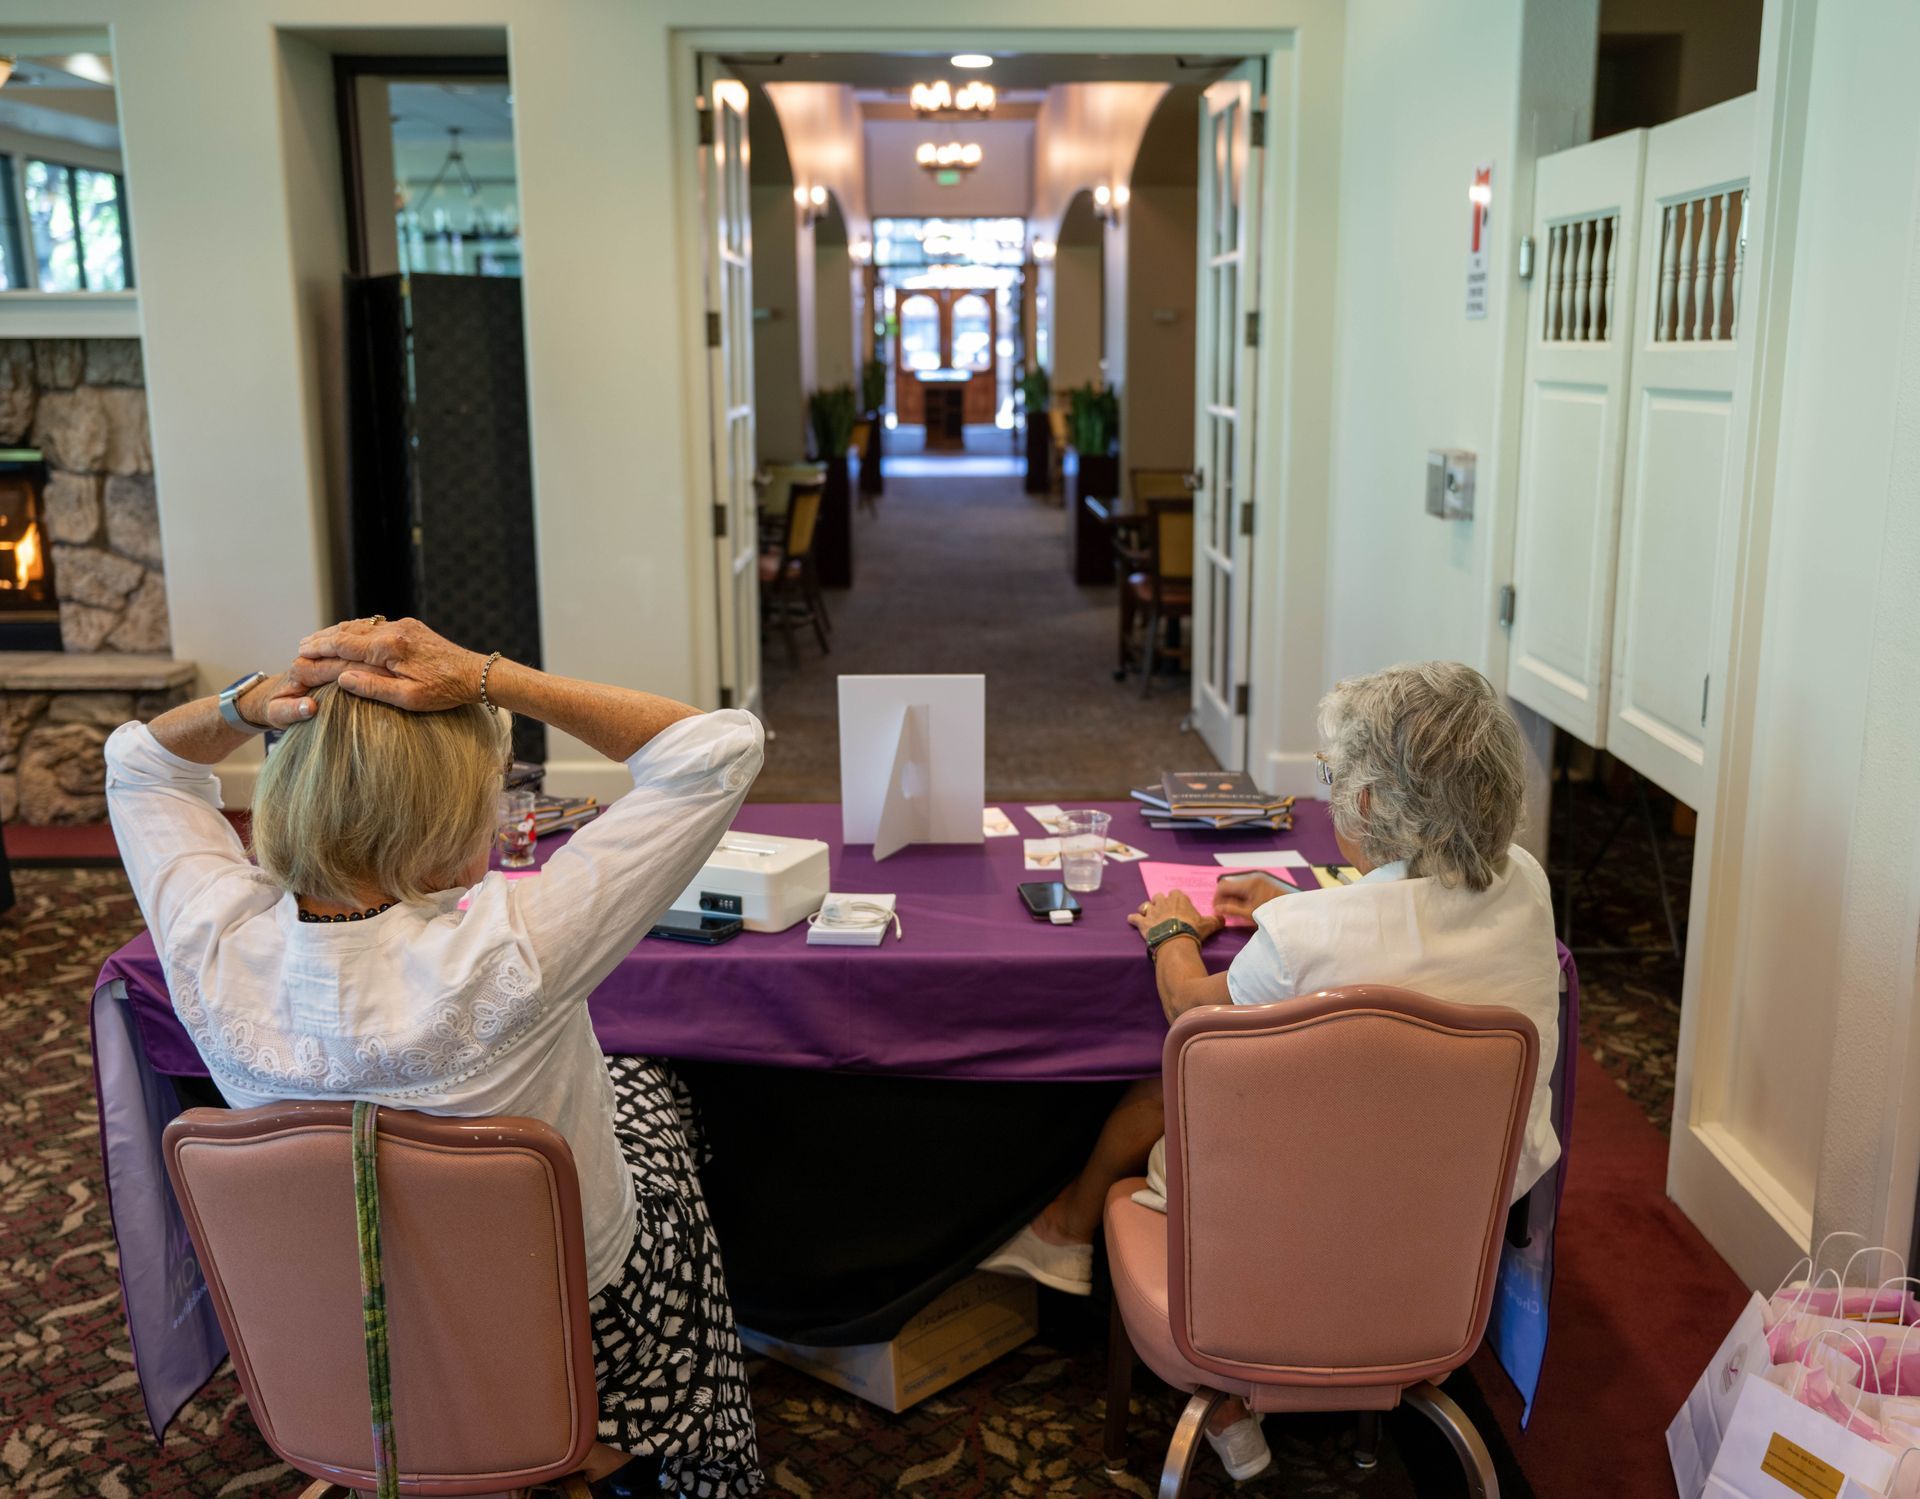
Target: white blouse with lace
[(426, 1006)]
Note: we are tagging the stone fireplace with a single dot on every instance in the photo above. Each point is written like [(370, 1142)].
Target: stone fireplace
[(73, 422)]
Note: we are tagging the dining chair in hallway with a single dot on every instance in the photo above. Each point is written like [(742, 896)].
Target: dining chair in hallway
[(789, 587), (1129, 547), (483, 1260), (1338, 1169), (1162, 590)]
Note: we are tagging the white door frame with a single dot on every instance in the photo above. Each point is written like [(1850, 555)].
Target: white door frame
[(1754, 1221), (1299, 197)]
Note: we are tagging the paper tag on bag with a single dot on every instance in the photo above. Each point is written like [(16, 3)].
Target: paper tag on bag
[(1792, 1466)]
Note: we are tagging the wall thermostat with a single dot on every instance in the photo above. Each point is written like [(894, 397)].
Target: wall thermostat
[(1450, 483)]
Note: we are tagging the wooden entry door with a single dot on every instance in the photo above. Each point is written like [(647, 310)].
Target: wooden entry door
[(946, 329)]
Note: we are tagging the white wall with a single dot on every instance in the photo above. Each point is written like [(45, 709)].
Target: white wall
[(781, 317), (1000, 187), (1819, 1066), (1077, 303)]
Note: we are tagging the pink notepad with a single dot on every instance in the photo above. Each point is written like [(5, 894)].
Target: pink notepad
[(1196, 882)]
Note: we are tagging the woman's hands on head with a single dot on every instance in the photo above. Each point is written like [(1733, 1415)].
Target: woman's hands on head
[(400, 662), (1172, 906), (280, 702)]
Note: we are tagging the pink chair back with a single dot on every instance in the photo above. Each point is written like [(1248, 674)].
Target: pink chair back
[(485, 1268), (1338, 1174)]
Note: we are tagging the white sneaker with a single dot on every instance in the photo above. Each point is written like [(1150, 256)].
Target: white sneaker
[(1242, 1448), (1065, 1267)]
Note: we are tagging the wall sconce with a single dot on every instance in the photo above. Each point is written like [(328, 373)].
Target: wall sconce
[(1044, 249), (1108, 201), (861, 250), (812, 202)]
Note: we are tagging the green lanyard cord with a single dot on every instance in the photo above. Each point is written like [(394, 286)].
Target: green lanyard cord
[(373, 1300)]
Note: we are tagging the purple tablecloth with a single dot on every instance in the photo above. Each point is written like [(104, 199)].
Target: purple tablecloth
[(974, 989)]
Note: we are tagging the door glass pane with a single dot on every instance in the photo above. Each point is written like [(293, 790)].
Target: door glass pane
[(972, 333), (50, 211), (920, 333)]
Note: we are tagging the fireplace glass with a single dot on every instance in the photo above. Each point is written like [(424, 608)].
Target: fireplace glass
[(29, 611)]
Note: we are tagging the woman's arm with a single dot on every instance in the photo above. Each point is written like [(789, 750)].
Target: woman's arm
[(195, 731), (1178, 972), (404, 663)]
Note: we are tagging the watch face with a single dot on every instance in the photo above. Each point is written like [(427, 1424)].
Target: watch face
[(240, 684)]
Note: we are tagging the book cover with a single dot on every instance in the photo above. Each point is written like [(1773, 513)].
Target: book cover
[(1214, 791)]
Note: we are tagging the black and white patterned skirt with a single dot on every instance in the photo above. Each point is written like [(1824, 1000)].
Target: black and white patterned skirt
[(672, 1378)]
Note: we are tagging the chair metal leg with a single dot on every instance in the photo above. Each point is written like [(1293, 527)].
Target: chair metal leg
[(1120, 1360), (1185, 1445), (1366, 1445), (1438, 1407)]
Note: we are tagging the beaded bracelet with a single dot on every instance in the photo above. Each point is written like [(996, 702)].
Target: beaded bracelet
[(485, 671)]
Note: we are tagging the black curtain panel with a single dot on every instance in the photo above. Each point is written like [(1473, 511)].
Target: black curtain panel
[(440, 467)]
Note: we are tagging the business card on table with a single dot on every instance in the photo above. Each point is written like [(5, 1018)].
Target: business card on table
[(1043, 854), (996, 824), (1049, 817), (1124, 853)]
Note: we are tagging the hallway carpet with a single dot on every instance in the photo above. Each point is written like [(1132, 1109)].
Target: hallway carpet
[(963, 572)]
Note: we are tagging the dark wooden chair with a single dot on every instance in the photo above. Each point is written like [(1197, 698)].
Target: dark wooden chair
[(789, 588), (1129, 543), (1163, 588)]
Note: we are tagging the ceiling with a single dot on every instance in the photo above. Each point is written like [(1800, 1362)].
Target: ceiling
[(425, 112), (65, 94), (1012, 74)]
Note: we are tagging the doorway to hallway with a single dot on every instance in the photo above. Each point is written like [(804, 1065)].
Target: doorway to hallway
[(961, 571)]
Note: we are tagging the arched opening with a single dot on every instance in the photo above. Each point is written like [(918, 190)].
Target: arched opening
[(1078, 329), (1160, 229)]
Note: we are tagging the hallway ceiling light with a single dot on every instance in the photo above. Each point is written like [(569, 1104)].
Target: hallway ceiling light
[(953, 156), (940, 100), (972, 60)]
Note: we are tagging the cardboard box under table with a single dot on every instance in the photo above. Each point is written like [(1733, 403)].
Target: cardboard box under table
[(963, 1329)]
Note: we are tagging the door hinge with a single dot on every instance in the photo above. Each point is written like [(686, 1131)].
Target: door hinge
[(1706, 682), (1523, 262), (1196, 481), (706, 125), (1257, 125), (1246, 517), (726, 697), (713, 330), (1253, 330), (1507, 599), (719, 520), (1240, 696)]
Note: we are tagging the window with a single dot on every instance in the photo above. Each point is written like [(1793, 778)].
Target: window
[(920, 333), (13, 265), (972, 333), (76, 217)]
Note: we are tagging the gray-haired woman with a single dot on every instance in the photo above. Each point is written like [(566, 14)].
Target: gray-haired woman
[(1425, 773)]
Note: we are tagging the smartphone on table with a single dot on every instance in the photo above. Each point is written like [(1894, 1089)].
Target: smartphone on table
[(709, 931), (1044, 897)]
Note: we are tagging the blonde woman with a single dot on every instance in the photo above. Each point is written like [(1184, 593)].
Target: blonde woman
[(341, 965), (1424, 770)]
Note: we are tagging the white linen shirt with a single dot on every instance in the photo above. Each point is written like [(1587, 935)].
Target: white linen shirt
[(426, 1006), (1490, 947)]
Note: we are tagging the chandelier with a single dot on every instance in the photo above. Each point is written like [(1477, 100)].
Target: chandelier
[(973, 100), (952, 157)]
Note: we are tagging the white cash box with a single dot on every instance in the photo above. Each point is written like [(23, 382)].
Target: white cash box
[(767, 881)]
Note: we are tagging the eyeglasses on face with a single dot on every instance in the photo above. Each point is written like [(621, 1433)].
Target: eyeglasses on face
[(1325, 767)]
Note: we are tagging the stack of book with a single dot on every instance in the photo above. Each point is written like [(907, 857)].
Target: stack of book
[(559, 814), (524, 775), (1217, 799)]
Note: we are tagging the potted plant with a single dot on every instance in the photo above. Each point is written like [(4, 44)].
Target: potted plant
[(831, 414), (873, 400), (1093, 428), (1036, 395)]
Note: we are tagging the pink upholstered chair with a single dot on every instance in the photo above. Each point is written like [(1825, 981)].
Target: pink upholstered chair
[(485, 1268), (1338, 1169)]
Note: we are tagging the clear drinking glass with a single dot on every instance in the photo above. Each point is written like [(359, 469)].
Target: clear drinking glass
[(1083, 849), (515, 835)]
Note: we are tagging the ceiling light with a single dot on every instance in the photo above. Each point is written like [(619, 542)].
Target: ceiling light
[(953, 156), (6, 70), (940, 100), (971, 60), (88, 65)]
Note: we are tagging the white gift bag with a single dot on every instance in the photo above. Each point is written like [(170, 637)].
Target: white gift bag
[(1694, 1436), (1774, 1445)]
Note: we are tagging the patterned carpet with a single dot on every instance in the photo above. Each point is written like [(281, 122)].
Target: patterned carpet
[(73, 1425)]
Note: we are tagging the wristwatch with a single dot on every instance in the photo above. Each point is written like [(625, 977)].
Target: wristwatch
[(1162, 932), (230, 703)]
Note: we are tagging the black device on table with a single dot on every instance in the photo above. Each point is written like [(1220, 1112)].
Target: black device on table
[(708, 930), (1044, 897)]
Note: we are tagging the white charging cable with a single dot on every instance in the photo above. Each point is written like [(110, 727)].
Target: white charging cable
[(847, 914)]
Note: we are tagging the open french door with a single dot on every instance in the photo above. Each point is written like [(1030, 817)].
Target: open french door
[(726, 212), (1225, 354)]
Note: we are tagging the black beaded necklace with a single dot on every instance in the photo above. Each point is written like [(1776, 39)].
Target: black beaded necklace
[(350, 915)]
